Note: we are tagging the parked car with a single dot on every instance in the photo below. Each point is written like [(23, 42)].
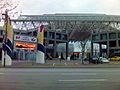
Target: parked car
[(115, 58), (103, 60), (94, 60)]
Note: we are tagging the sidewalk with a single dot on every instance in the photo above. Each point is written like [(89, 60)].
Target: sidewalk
[(62, 64)]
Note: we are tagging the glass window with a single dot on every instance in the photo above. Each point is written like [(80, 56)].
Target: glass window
[(51, 35), (58, 36), (29, 33), (118, 35), (64, 37), (95, 37), (35, 33), (45, 34), (1, 39), (112, 35), (16, 33), (112, 44), (119, 43), (1, 32), (103, 36)]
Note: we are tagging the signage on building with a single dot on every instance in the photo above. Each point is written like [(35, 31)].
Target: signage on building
[(25, 38), (25, 46)]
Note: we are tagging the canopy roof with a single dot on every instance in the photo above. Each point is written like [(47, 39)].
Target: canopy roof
[(71, 17)]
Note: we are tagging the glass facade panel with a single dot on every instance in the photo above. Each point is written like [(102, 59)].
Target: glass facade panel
[(112, 35), (95, 37), (64, 37), (51, 35), (112, 44), (1, 40), (45, 34), (1, 33), (118, 35), (16, 33), (58, 36), (103, 36), (119, 43)]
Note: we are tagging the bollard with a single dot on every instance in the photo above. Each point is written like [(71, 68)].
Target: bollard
[(65, 64), (53, 64)]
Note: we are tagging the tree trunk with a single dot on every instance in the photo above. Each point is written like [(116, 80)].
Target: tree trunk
[(83, 51)]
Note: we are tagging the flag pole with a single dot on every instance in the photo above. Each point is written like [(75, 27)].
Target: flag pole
[(7, 51), (40, 56), (5, 36)]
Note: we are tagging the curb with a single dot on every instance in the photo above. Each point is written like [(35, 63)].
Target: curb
[(83, 66)]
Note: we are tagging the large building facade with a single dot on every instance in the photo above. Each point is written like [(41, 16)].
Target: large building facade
[(57, 30), (25, 43), (112, 41)]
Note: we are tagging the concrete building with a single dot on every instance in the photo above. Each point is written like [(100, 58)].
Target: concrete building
[(25, 43), (110, 40), (57, 30)]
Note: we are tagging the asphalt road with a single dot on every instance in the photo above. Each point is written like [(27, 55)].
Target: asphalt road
[(60, 79)]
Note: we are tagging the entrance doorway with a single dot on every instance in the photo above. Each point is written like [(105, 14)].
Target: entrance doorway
[(24, 54)]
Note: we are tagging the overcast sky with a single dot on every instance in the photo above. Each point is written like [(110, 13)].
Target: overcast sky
[(69, 6)]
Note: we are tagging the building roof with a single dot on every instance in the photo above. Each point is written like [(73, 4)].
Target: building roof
[(70, 17)]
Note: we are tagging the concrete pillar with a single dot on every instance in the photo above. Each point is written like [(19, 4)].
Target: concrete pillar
[(23, 54), (55, 48), (117, 43), (66, 50), (55, 45), (108, 49), (100, 49), (91, 48), (46, 44)]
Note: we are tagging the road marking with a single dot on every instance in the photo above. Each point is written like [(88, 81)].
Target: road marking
[(78, 74), (84, 80)]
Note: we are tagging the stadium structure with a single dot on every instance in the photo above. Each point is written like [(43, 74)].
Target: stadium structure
[(105, 30)]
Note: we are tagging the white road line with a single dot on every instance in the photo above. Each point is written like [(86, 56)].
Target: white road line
[(84, 80), (78, 74)]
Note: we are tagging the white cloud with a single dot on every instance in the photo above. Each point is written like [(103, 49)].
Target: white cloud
[(69, 6), (109, 6)]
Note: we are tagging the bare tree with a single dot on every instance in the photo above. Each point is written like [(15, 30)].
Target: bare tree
[(8, 5), (83, 31), (81, 34)]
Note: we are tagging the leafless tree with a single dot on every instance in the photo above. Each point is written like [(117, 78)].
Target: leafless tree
[(83, 31), (81, 34), (8, 5)]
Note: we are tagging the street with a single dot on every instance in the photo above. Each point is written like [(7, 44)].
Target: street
[(59, 78)]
